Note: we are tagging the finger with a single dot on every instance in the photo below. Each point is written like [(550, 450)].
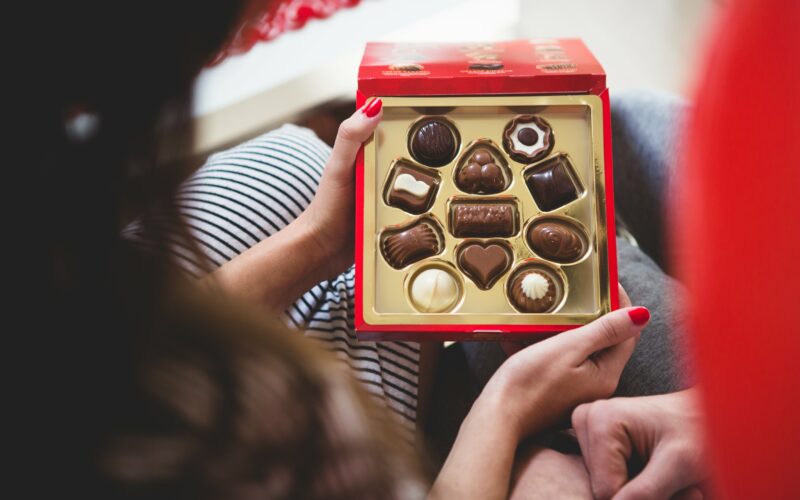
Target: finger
[(353, 132), (624, 300), (609, 448), (580, 424), (691, 493), (605, 332), (662, 477)]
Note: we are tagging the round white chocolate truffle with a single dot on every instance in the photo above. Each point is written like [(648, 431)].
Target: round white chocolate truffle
[(434, 290)]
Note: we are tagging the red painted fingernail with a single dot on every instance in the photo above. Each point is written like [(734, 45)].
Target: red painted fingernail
[(639, 315), (373, 108)]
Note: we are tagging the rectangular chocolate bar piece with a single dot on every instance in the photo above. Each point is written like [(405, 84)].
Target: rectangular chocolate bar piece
[(483, 220)]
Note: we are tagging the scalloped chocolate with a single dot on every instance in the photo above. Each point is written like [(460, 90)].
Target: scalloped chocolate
[(528, 138)]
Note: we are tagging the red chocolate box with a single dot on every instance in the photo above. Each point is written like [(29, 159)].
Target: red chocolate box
[(484, 200)]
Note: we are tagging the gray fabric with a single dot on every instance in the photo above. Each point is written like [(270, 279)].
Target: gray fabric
[(645, 129)]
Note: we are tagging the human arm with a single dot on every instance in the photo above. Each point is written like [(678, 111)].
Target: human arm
[(315, 246), (531, 391)]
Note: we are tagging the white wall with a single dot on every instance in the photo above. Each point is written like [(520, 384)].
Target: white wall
[(641, 43)]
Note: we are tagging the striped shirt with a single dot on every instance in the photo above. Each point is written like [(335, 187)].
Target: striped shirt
[(249, 192)]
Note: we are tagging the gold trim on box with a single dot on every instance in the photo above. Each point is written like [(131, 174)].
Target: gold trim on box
[(564, 114)]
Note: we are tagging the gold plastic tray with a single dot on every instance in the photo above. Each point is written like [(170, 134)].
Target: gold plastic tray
[(576, 121)]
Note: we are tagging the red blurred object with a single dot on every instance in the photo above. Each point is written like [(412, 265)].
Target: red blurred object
[(738, 219), (266, 19)]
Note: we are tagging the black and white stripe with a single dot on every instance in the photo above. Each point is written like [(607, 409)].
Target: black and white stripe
[(250, 192)]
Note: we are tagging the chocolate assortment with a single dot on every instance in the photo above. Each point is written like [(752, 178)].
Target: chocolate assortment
[(485, 211)]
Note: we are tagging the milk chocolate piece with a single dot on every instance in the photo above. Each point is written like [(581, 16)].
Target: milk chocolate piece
[(412, 190), (434, 290), (483, 220), (528, 138), (556, 240), (481, 175), (411, 245), (484, 263), (533, 291), (551, 183), (433, 143)]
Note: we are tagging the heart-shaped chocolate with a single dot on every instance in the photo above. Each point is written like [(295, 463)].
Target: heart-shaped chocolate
[(484, 263)]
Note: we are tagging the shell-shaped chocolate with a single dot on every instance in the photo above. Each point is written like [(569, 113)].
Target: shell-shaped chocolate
[(434, 143), (411, 245), (556, 240)]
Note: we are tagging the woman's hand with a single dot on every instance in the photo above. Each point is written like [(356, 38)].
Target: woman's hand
[(331, 215), (564, 371), (533, 390), (319, 243)]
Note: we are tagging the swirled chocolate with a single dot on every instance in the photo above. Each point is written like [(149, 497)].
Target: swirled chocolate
[(411, 245), (556, 240), (533, 291), (483, 219), (433, 143)]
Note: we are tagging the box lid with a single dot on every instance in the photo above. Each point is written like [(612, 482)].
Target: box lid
[(532, 66)]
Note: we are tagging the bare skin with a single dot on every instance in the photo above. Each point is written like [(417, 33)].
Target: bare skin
[(534, 389), (317, 245)]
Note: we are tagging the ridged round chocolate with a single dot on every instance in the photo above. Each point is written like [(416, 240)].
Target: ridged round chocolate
[(413, 244), (533, 291), (434, 143), (557, 241)]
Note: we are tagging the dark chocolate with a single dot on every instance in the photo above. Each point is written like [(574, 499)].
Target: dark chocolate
[(411, 245), (486, 66), (433, 143), (551, 183), (484, 263), (483, 219), (528, 137), (556, 240), (481, 175), (401, 197), (530, 305)]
